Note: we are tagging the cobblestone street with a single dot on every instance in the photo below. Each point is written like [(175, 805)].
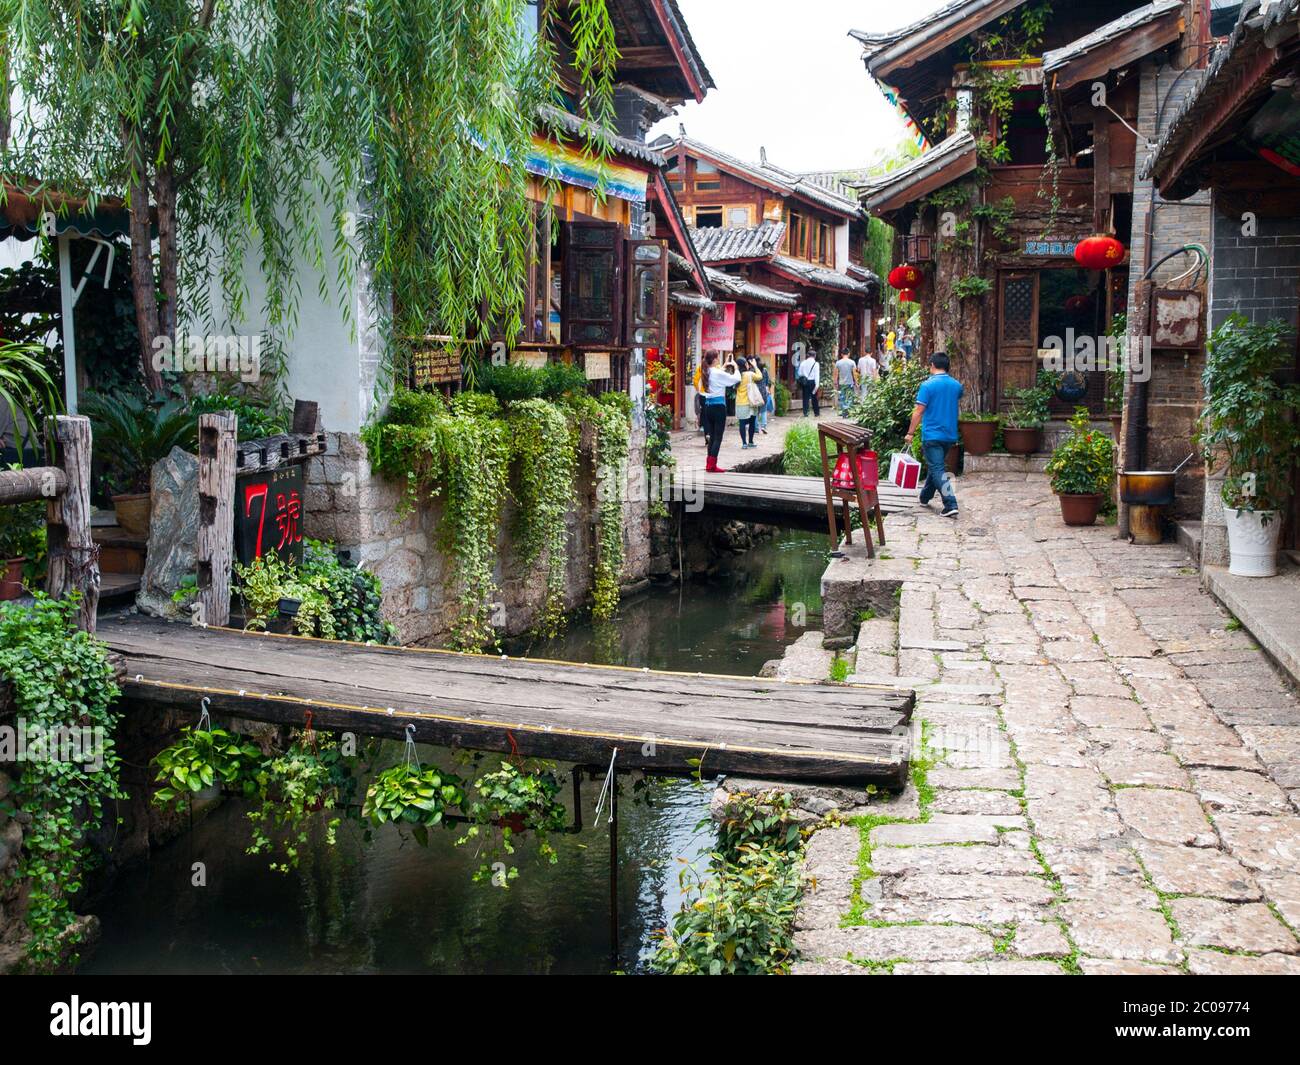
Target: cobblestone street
[(1111, 774)]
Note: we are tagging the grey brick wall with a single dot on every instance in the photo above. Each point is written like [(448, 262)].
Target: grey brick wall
[(1257, 276)]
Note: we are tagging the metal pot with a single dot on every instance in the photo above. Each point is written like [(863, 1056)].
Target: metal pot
[(1146, 488)]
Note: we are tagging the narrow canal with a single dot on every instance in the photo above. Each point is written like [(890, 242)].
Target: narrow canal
[(390, 906)]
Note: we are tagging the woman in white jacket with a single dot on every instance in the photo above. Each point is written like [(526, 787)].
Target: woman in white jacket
[(715, 383)]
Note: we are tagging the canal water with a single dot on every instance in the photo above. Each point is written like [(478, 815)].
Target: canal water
[(393, 906)]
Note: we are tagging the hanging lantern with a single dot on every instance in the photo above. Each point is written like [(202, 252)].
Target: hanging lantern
[(907, 295), (1099, 253), (904, 276)]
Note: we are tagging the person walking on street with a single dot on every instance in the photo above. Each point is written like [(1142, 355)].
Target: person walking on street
[(935, 415), (747, 402), (846, 380), (809, 376), (714, 383), (765, 391), (868, 372)]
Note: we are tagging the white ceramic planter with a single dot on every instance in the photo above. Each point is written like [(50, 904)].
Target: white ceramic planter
[(1252, 543)]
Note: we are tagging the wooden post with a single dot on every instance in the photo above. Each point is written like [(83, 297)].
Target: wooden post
[(73, 554), (216, 533)]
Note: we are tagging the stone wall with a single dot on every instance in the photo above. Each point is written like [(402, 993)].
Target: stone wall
[(1257, 276), (358, 510), (1174, 393)]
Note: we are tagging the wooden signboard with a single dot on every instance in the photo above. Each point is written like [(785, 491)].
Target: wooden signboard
[(596, 364), (435, 366), (269, 514)]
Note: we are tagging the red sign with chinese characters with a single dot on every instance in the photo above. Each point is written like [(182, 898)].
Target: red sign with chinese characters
[(269, 514)]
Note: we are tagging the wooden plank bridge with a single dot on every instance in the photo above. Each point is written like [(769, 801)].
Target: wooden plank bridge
[(661, 722), (771, 497)]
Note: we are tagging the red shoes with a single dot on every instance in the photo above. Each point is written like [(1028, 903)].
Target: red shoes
[(711, 466)]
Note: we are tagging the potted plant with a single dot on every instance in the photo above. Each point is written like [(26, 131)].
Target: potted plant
[(131, 434), (22, 546), (514, 800), (1022, 425), (1249, 429), (27, 392), (205, 759), (1081, 470), (407, 794), (978, 432)]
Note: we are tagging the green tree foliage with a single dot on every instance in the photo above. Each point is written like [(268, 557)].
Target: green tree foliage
[(271, 133)]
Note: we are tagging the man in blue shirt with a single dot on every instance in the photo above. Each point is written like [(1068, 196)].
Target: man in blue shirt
[(936, 416)]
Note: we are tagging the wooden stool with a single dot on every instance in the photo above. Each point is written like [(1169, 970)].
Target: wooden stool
[(850, 440)]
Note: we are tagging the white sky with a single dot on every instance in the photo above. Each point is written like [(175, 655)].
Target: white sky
[(791, 79)]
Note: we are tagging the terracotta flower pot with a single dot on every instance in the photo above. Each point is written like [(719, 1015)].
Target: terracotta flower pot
[(1079, 509), (978, 437), (11, 586), (132, 512), (1021, 441)]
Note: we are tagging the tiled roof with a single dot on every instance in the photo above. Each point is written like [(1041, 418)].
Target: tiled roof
[(894, 43), (738, 242), (786, 181), (1059, 57), (821, 277), (951, 152), (690, 48), (556, 118), (1248, 38), (725, 284)]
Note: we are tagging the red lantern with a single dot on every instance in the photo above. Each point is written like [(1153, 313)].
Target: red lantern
[(907, 296), (904, 276), (1099, 253)]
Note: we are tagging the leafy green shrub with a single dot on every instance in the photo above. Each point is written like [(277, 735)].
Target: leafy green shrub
[(803, 457), (256, 419), (780, 399), (355, 596), (1084, 462), (510, 382), (886, 409), (61, 680), (22, 535), (1030, 407), (1250, 416), (560, 379), (132, 433)]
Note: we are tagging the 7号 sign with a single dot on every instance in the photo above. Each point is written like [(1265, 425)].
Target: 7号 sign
[(269, 514)]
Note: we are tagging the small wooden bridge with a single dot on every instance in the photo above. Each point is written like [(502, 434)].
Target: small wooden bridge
[(783, 499), (669, 723)]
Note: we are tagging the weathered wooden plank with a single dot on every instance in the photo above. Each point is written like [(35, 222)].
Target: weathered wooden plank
[(661, 722), (32, 484), (216, 533), (73, 554)]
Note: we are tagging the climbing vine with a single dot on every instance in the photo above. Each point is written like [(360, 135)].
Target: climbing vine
[(462, 452), (64, 692), (544, 440)]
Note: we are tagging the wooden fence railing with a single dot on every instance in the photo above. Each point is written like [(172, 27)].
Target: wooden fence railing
[(73, 559)]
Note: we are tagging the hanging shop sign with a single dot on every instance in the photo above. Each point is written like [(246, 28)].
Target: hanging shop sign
[(720, 328), (1053, 248), (268, 514), (773, 333)]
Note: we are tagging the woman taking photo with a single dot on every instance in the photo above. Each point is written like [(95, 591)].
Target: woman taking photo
[(715, 382), (748, 400)]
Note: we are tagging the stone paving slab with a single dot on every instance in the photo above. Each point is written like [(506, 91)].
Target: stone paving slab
[(1114, 773)]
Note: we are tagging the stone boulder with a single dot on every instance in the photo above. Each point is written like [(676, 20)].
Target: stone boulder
[(173, 532)]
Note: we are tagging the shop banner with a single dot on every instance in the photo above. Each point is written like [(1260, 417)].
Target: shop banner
[(720, 328), (774, 333)]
